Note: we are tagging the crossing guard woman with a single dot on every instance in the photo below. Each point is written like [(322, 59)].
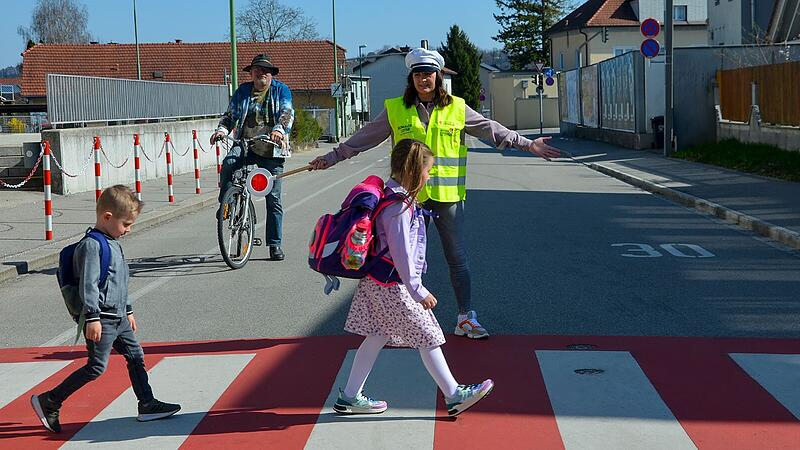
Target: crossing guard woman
[(426, 112)]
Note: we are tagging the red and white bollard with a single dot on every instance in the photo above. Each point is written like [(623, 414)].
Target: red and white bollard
[(219, 168), (97, 190), (196, 163), (169, 169), (48, 198), (137, 166)]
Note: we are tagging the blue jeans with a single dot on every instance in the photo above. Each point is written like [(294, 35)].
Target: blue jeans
[(234, 161), (116, 334), (450, 226)]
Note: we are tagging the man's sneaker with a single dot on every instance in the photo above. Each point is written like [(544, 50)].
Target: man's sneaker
[(47, 411), (466, 396), (156, 410), (360, 404), (468, 326)]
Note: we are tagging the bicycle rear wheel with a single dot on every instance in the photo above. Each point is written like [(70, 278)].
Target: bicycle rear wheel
[(235, 228)]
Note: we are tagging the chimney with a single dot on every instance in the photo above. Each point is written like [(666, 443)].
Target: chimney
[(424, 43), (178, 41)]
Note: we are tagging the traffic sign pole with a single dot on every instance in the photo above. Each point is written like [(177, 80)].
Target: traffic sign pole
[(668, 77)]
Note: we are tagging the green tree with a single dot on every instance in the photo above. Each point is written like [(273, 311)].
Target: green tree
[(521, 24), (462, 56)]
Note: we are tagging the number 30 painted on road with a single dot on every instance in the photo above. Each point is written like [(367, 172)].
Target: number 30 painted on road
[(646, 251)]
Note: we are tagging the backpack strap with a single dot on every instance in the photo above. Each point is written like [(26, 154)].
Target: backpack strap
[(105, 253)]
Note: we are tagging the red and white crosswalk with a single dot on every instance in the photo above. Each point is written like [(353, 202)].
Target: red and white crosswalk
[(551, 392)]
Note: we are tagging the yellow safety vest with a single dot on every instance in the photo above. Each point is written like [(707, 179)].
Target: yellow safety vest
[(448, 181)]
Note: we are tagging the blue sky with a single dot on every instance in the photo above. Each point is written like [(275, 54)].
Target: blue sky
[(372, 22)]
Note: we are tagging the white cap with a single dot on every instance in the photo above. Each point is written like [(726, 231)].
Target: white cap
[(424, 60)]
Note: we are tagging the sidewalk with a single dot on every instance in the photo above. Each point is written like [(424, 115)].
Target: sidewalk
[(766, 206), (22, 228)]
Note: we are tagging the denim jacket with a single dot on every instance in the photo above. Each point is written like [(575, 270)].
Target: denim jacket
[(403, 231), (280, 98)]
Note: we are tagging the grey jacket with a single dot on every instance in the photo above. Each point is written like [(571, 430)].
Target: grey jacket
[(112, 299)]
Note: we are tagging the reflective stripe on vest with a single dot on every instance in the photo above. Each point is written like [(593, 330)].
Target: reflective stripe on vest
[(443, 135)]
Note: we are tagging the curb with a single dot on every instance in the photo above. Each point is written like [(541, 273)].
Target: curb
[(47, 255), (783, 235)]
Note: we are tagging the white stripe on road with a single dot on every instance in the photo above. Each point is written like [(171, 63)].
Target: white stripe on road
[(66, 336), (617, 408), (778, 374), (196, 382), (399, 378), (18, 378)]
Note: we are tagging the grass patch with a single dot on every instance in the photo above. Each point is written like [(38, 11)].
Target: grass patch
[(759, 159)]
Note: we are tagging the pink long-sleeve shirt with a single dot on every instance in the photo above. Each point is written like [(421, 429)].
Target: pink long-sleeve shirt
[(379, 130)]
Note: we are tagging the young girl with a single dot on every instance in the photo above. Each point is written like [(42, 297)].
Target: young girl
[(399, 314)]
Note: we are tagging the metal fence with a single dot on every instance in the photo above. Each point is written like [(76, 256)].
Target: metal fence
[(325, 119), (31, 123), (74, 99)]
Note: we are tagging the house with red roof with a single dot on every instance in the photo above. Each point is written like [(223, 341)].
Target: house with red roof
[(305, 66), (601, 29)]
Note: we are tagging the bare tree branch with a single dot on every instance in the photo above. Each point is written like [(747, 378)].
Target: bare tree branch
[(57, 22), (269, 20)]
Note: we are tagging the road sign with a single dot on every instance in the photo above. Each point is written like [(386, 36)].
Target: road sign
[(549, 72), (650, 28), (336, 90), (650, 48), (482, 97), (549, 81), (539, 65)]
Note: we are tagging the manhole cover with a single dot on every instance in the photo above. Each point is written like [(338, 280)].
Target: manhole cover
[(589, 371), (581, 346)]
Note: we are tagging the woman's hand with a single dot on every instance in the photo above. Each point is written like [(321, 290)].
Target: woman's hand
[(429, 302), (540, 147), (319, 163)]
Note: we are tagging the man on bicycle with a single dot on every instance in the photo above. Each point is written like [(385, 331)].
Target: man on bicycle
[(260, 106)]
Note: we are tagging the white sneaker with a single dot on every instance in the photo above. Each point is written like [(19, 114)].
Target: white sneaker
[(468, 326)]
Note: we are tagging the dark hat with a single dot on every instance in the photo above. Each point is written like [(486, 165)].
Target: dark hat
[(262, 61)]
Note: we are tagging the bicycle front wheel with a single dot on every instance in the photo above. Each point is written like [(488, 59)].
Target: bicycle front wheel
[(235, 227)]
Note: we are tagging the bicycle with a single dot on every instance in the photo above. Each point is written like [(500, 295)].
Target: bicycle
[(236, 217)]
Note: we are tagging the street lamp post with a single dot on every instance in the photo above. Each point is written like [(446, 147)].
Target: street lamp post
[(335, 68), (234, 72), (136, 38), (361, 80)]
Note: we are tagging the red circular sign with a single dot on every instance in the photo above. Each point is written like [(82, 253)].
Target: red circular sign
[(259, 182), (650, 28)]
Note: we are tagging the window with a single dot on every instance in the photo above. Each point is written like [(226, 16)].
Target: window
[(561, 61), (578, 58), (679, 13)]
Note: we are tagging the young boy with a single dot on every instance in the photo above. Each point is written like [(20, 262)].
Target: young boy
[(109, 316)]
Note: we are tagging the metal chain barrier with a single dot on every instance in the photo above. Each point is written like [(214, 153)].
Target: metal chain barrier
[(28, 178), (103, 151), (83, 170), (179, 153)]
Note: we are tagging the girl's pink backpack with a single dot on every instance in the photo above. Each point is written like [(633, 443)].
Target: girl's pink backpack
[(333, 247)]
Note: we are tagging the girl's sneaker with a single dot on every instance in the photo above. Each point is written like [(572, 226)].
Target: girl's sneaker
[(360, 404), (467, 395)]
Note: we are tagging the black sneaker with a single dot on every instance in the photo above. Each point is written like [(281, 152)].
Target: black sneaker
[(156, 410), (275, 253), (47, 411)]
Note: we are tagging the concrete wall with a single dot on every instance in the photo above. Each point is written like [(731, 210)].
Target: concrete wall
[(732, 22), (73, 148), (527, 113), (507, 87), (694, 72), (787, 138)]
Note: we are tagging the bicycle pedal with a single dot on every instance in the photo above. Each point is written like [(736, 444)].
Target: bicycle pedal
[(257, 242)]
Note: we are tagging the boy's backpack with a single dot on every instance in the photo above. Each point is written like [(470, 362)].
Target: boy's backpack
[(343, 244), (68, 280)]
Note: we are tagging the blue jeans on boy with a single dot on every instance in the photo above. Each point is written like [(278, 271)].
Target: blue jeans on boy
[(234, 161), (449, 221), (116, 334)]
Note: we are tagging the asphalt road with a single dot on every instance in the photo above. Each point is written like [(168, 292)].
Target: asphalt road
[(555, 249)]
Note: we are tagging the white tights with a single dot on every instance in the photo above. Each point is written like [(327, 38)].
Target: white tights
[(367, 353)]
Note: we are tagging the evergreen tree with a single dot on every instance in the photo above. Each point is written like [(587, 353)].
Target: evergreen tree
[(462, 56), (521, 24)]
